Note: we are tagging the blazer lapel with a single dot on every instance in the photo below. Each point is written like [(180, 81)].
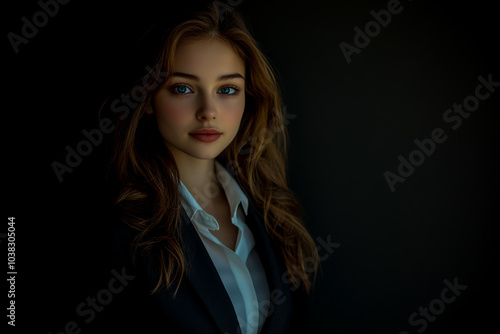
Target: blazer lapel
[(281, 310), (203, 276), (205, 279)]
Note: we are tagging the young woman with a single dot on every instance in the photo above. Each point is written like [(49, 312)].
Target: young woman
[(209, 230)]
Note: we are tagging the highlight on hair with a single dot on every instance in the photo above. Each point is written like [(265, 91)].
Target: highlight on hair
[(148, 199)]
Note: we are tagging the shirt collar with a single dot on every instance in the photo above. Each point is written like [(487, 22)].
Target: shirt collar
[(234, 195)]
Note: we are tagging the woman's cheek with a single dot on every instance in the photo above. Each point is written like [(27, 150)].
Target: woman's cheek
[(233, 116), (172, 115)]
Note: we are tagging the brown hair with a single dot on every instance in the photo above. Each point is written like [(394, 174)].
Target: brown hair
[(148, 197)]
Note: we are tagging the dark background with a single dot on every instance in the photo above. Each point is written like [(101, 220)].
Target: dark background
[(352, 122)]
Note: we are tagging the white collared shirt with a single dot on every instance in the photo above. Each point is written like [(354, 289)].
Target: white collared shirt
[(241, 270)]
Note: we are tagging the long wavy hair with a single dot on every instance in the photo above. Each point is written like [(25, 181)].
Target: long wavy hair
[(148, 197)]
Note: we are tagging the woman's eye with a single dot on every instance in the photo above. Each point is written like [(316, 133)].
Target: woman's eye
[(181, 90), (229, 90), (184, 90)]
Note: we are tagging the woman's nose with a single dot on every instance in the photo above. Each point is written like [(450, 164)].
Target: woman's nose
[(208, 109)]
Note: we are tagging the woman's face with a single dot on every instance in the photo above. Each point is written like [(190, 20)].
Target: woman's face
[(199, 109)]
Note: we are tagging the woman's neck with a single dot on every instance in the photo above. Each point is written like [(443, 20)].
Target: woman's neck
[(198, 175)]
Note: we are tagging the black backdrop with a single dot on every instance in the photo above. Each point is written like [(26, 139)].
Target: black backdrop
[(391, 251)]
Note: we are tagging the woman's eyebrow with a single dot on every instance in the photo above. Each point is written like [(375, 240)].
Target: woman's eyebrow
[(195, 78)]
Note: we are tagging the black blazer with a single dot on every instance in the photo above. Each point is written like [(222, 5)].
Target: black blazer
[(202, 304)]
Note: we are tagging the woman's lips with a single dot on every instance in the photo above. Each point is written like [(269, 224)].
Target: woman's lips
[(206, 138), (206, 135)]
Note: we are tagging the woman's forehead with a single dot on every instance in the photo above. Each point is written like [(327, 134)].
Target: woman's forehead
[(208, 58)]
